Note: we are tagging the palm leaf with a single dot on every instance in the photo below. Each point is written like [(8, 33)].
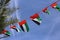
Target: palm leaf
[(2, 23), (12, 21), (4, 12), (8, 11)]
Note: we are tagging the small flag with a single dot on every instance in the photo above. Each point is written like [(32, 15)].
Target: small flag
[(14, 27), (45, 10), (24, 26), (54, 5), (35, 18), (6, 32)]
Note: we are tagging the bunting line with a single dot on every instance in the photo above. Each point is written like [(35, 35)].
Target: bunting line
[(48, 6)]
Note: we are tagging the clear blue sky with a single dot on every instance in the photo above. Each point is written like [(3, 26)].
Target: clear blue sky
[(50, 26)]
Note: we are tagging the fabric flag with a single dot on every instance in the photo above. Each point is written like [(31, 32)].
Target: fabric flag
[(6, 32), (35, 18), (14, 27), (54, 5), (45, 10), (24, 26)]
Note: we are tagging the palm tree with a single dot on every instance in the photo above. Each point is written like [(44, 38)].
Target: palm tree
[(5, 14)]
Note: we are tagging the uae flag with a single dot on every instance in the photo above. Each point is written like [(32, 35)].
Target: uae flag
[(54, 5), (45, 10), (14, 27), (35, 18), (24, 26), (6, 32)]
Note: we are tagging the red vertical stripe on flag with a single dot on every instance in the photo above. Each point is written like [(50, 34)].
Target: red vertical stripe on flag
[(54, 4), (12, 27), (34, 16), (22, 22), (44, 10), (3, 32)]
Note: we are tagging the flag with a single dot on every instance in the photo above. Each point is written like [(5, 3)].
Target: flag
[(54, 5), (6, 32), (14, 27), (35, 18), (24, 26), (45, 10)]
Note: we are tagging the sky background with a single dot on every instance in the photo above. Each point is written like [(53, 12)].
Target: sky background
[(49, 28)]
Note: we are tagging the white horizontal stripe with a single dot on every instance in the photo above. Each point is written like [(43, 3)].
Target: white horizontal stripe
[(36, 20)]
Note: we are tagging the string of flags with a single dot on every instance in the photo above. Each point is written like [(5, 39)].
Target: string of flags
[(35, 18)]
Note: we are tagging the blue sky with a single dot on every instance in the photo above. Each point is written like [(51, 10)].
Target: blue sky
[(50, 26)]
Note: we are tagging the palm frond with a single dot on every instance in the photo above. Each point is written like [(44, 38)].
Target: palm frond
[(12, 21), (8, 11), (4, 12), (2, 23)]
